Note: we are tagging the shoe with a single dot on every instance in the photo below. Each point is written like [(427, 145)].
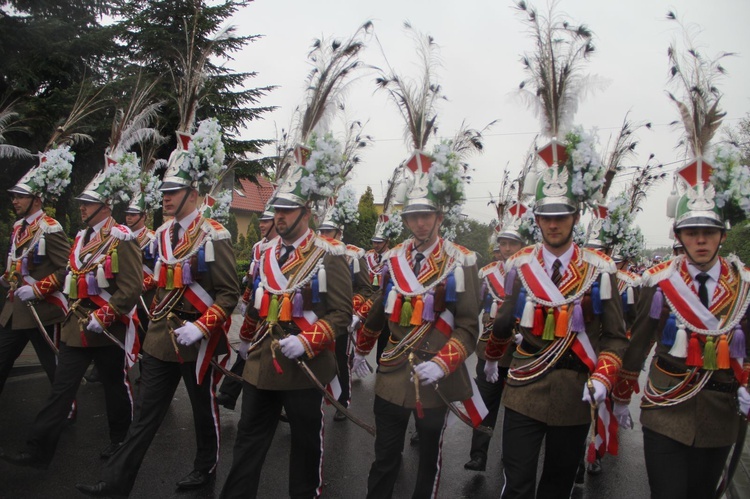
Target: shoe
[(93, 376), (195, 480), (226, 401), (109, 450), (100, 489), (594, 468), (339, 416), (414, 440), (25, 459), (72, 415), (477, 463), (283, 417), (581, 474)]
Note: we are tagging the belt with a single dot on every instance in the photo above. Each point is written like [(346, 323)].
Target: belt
[(186, 316), (673, 369), (568, 361)]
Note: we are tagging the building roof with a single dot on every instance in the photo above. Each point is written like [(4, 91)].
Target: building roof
[(251, 197)]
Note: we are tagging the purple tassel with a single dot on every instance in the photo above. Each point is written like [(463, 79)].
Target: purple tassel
[(108, 268), (737, 345), (25, 266), (187, 274), (384, 275), (656, 305), (578, 324), (297, 305), (484, 288), (510, 278), (428, 310), (91, 284)]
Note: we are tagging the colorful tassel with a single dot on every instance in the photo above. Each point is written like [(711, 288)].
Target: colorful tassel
[(115, 262), (406, 310), (624, 300), (680, 347), (549, 326), (605, 287), (450, 289), (202, 267), (510, 278), (561, 324), (273, 310), (527, 316), (722, 353), (520, 304), (390, 299), (91, 286), (25, 266), (420, 409), (170, 278), (428, 311), (157, 267), (538, 327), (108, 268), (177, 276), (187, 274), (258, 298), (315, 288), (439, 303), (355, 265), (630, 292), (669, 332), (82, 289), (596, 299), (101, 279), (657, 302), (285, 310), (460, 281), (396, 312), (73, 289), (416, 313), (694, 357), (737, 344), (375, 280), (41, 248), (298, 305), (66, 284), (37, 257), (210, 255), (493, 309), (276, 365), (709, 354), (322, 280), (577, 324)]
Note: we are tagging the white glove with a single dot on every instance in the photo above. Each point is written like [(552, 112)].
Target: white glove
[(94, 325), (354, 324), (292, 347), (188, 334), (25, 293), (744, 399), (600, 392), (242, 307), (244, 347), (491, 373), (517, 338), (360, 367), (428, 373), (622, 413)]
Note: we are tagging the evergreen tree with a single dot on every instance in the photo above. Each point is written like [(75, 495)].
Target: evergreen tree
[(360, 234)]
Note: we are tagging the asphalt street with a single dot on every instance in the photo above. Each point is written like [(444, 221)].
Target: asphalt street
[(347, 458)]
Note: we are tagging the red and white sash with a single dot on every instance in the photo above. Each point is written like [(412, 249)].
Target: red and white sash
[(683, 300), (56, 298), (496, 281), (540, 284), (403, 275)]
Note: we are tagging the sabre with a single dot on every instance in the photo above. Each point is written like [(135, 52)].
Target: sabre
[(83, 320), (41, 327)]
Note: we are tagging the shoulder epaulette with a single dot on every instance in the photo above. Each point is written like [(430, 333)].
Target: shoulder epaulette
[(740, 267), (489, 268), (354, 251), (524, 255), (598, 259), (49, 225), (396, 250), (17, 223), (331, 246), (464, 256), (215, 229), (267, 243), (629, 278), (658, 273), (162, 228), (122, 232)]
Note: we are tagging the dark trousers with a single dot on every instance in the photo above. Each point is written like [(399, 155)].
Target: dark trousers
[(679, 471), (491, 394), (230, 386), (344, 367), (391, 421), (71, 366), (522, 440), (260, 416), (12, 343), (159, 381)]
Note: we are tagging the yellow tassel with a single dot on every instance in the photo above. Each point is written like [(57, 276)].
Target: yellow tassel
[(285, 313), (561, 327), (177, 276), (405, 319), (273, 310), (416, 314)]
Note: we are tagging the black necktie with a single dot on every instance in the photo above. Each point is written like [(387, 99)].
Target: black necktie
[(418, 263), (175, 235), (87, 237), (702, 289), (287, 251), (556, 275)]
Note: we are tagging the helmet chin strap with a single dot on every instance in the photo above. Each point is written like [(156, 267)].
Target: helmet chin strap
[(270, 228), (293, 226), (182, 203), (421, 242), (690, 257), (93, 215), (28, 208), (140, 217)]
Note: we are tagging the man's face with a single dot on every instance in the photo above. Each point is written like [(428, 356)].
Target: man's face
[(379, 246), (557, 231), (331, 233), (622, 264), (21, 204), (424, 226), (497, 255), (135, 221), (509, 247), (171, 201), (285, 219), (267, 229), (93, 213), (701, 244)]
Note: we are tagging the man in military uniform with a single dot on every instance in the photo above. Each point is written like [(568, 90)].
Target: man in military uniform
[(376, 266), (231, 388), (572, 339), (432, 307), (695, 307), (197, 290), (37, 259), (303, 303), (509, 240), (103, 284)]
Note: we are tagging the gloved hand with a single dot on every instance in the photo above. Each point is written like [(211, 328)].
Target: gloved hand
[(25, 293), (428, 373), (242, 307), (188, 334), (360, 367), (244, 347), (622, 413), (491, 373), (600, 392), (743, 397), (354, 324), (94, 325), (292, 347), (517, 338)]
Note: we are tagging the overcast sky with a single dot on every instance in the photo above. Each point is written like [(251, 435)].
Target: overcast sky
[(480, 46)]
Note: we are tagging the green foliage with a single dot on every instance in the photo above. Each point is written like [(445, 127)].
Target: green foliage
[(474, 235), (360, 234), (241, 268), (738, 242), (231, 226)]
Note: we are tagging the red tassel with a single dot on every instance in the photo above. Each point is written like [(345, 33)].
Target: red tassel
[(438, 304), (591, 453), (588, 308), (162, 283), (694, 357), (538, 328), (277, 366), (396, 314), (83, 290), (265, 303), (420, 411), (84, 343)]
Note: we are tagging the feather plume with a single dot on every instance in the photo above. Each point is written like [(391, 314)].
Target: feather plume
[(131, 123), (529, 165), (644, 178), (505, 195), (416, 99), (555, 83), (623, 148), (695, 76), (87, 102), (9, 122)]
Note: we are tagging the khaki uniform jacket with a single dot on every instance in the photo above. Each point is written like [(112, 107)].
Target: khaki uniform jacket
[(555, 397), (486, 321), (16, 314), (334, 314), (125, 286), (709, 419), (393, 382), (219, 281)]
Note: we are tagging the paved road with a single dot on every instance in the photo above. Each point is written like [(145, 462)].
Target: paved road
[(348, 453)]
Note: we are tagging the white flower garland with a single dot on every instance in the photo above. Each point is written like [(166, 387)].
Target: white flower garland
[(53, 174), (151, 194), (123, 179), (324, 168), (393, 227), (730, 178), (205, 161), (346, 210), (220, 209), (586, 165)]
